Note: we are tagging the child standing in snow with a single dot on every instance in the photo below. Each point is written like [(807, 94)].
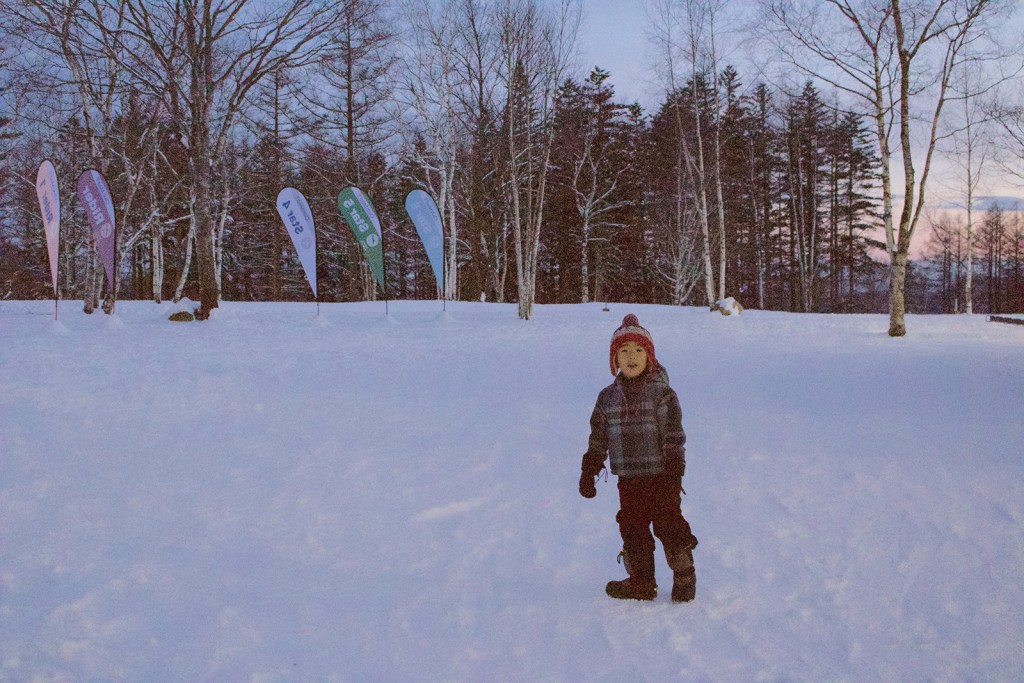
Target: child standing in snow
[(638, 426)]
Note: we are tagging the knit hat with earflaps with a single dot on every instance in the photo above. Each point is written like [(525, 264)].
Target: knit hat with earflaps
[(630, 331)]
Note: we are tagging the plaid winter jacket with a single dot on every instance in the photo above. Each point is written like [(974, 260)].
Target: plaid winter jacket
[(638, 425)]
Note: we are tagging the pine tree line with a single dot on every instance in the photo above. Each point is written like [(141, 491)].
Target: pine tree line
[(797, 181), (797, 176)]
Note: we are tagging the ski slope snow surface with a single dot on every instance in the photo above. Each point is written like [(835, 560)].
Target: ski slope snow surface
[(281, 495)]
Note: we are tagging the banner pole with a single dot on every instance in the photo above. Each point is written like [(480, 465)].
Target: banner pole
[(56, 292), (117, 269)]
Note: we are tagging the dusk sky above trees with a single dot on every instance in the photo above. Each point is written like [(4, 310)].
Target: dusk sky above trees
[(614, 36)]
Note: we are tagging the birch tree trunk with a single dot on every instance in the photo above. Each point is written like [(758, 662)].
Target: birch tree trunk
[(201, 176), (156, 251), (969, 265), (451, 270), (700, 173), (187, 262)]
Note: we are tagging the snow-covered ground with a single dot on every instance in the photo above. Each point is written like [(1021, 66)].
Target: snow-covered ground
[(274, 495)]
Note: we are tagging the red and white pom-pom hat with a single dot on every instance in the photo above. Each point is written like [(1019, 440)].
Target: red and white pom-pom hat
[(630, 331)]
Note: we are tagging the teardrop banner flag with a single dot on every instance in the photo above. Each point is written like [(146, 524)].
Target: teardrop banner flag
[(422, 209), (298, 221), (357, 210), (48, 194), (94, 195)]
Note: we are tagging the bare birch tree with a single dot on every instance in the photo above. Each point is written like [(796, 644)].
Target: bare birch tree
[(898, 59), (536, 47), (970, 153), (79, 36), (684, 32), (681, 256), (202, 58), (597, 169), (429, 90)]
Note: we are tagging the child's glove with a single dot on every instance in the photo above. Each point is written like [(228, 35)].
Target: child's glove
[(592, 465), (673, 476), (587, 487)]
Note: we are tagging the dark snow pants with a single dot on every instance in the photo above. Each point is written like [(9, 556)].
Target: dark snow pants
[(645, 502)]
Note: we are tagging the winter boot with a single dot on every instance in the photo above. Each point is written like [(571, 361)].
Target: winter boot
[(640, 585), (684, 584)]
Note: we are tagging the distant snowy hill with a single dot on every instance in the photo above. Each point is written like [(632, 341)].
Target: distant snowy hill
[(273, 495), (984, 203)]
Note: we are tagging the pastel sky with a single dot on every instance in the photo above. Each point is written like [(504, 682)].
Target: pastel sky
[(613, 38)]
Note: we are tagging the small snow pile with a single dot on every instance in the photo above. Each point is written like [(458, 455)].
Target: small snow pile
[(183, 311), (728, 306)]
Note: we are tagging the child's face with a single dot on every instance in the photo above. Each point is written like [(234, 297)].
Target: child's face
[(631, 359)]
